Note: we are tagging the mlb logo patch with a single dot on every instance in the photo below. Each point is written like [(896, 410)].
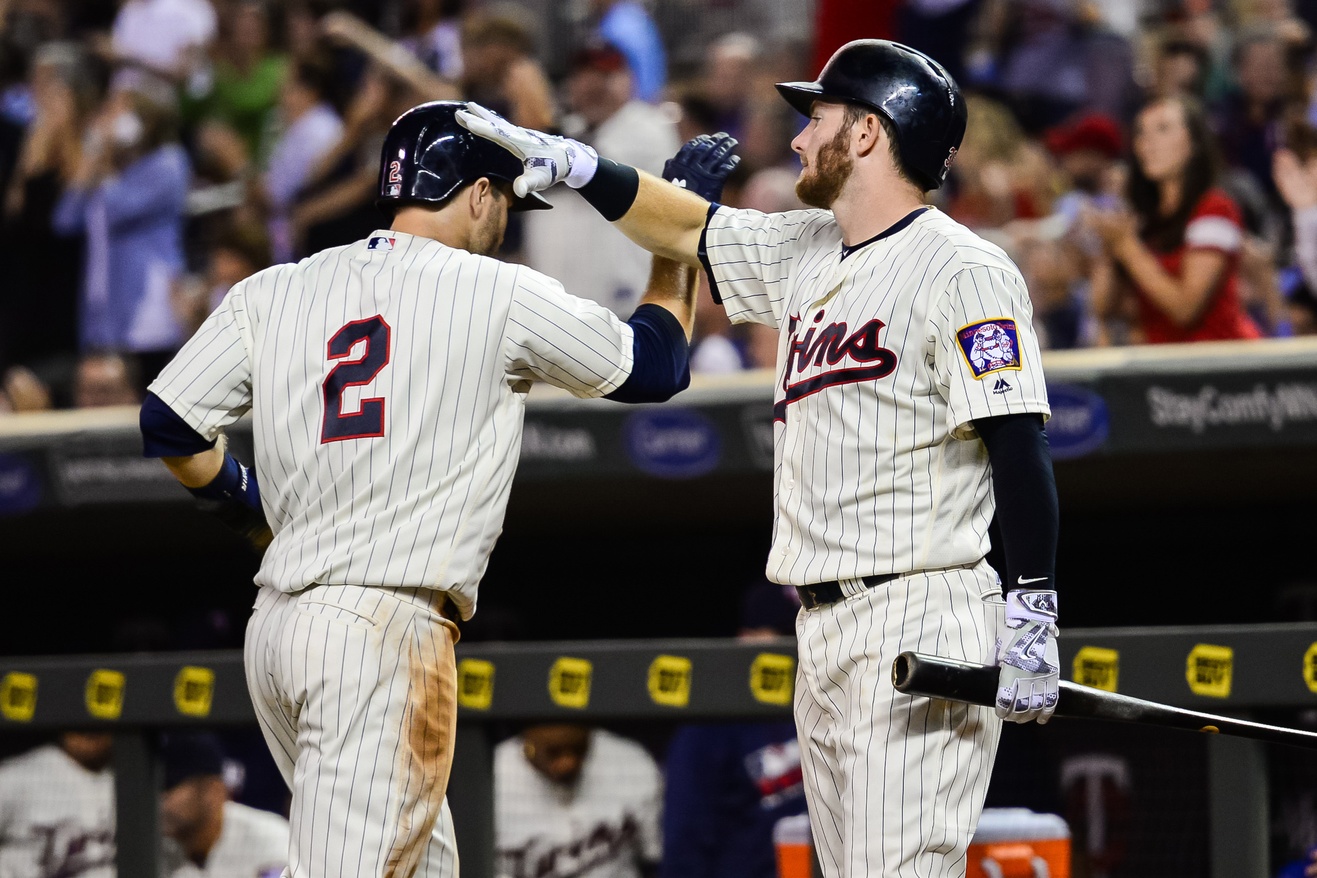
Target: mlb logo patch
[(379, 242), (990, 346)]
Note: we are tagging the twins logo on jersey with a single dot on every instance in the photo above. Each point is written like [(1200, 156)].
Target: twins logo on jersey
[(776, 772), (591, 846), (826, 356), (990, 346)]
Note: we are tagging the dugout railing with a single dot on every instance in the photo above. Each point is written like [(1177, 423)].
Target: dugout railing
[(1230, 670)]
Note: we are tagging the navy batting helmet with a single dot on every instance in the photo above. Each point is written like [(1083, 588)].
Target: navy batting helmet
[(428, 156), (910, 89)]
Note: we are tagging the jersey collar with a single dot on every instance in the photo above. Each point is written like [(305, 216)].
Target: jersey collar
[(888, 232)]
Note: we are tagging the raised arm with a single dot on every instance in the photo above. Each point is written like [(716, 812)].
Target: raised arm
[(658, 216)]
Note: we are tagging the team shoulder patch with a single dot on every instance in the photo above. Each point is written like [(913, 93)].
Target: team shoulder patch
[(990, 346), (379, 242)]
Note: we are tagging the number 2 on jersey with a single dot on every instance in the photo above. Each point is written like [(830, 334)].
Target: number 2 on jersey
[(368, 422)]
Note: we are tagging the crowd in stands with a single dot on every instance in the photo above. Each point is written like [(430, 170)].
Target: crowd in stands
[(1151, 165)]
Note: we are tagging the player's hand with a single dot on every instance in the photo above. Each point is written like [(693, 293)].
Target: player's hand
[(548, 158), (1030, 680), (703, 164)]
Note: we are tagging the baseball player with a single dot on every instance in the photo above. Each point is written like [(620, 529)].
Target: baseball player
[(57, 809), (572, 801), (909, 408), (208, 835), (386, 382)]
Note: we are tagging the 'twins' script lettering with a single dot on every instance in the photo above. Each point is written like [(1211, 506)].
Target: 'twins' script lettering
[(858, 357)]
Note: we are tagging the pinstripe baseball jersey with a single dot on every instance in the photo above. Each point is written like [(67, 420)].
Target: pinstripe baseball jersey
[(606, 824), (56, 817), (386, 382), (887, 352), (252, 844)]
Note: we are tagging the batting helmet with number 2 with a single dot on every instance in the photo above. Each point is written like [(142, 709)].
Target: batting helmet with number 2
[(428, 156), (910, 89)]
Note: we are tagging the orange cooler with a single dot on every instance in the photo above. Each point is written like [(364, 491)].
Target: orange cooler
[(794, 846), (1019, 843)]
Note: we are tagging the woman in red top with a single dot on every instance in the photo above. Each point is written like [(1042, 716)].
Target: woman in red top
[(1177, 253)]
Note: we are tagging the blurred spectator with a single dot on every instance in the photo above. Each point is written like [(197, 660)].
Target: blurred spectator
[(38, 306), (1177, 250), (240, 249), (629, 26), (1295, 176), (310, 128), (1054, 59), (433, 33), (1249, 123), (206, 833), (727, 784), (729, 80), (572, 800), (57, 809), (602, 113), (1179, 68), (336, 204), (104, 379), (1000, 173), (500, 70), (245, 77), (127, 197), (162, 39)]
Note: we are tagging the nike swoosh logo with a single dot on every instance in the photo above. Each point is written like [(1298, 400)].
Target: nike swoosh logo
[(1022, 581)]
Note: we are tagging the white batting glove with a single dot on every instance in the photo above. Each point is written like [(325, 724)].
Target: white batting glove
[(548, 158), (1030, 680)]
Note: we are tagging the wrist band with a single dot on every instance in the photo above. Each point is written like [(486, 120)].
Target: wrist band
[(612, 190)]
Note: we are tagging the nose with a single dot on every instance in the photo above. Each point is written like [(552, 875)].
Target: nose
[(798, 142)]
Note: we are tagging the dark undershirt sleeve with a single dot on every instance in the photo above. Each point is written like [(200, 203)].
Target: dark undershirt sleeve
[(1028, 513)]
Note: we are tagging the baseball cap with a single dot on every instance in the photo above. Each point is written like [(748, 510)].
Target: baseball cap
[(1094, 131), (190, 754), (597, 55), (767, 605)]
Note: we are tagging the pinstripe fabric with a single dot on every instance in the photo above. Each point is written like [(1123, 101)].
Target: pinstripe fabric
[(355, 692), (386, 382), (895, 784), (423, 503), (868, 479), (886, 355)]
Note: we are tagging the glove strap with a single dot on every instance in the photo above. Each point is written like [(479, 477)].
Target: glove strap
[(583, 163), (1031, 605)]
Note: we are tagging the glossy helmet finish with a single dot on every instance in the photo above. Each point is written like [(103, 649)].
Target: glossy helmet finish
[(914, 92), (428, 156)]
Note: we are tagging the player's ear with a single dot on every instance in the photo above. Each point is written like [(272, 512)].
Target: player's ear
[(480, 197), (867, 133)]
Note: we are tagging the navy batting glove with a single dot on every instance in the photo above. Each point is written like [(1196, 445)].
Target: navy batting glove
[(703, 164)]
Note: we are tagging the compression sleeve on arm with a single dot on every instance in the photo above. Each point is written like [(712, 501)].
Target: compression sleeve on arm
[(612, 190), (661, 365), (1028, 513), (165, 434)]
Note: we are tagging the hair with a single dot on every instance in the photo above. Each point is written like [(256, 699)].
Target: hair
[(160, 119), (316, 74), (1165, 233)]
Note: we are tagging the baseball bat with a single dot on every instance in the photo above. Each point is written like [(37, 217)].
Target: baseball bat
[(936, 677)]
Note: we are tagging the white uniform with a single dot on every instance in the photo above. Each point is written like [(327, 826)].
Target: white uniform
[(56, 817), (386, 382), (605, 825), (887, 354), (252, 844)]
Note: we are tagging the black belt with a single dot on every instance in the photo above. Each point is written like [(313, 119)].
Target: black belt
[(821, 593)]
